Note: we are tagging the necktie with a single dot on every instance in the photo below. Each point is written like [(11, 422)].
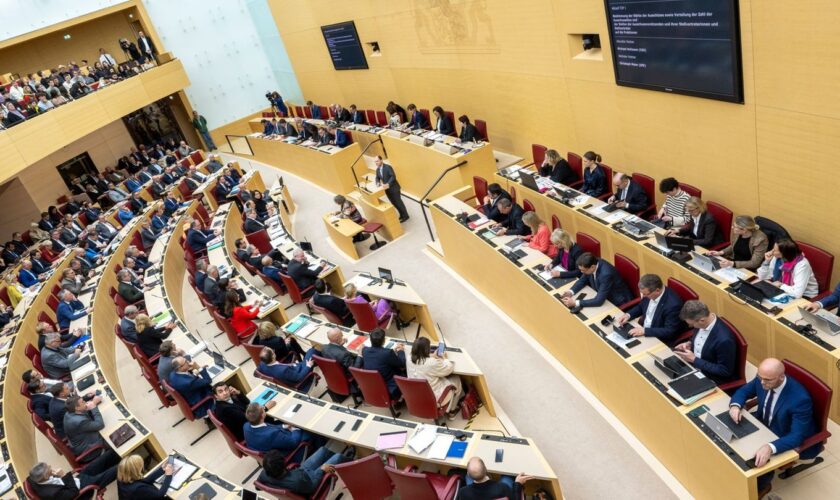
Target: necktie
[(768, 404), (594, 281)]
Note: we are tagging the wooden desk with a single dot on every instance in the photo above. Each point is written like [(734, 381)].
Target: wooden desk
[(365, 136), (615, 375), (375, 207), (410, 304), (341, 232), (200, 478)]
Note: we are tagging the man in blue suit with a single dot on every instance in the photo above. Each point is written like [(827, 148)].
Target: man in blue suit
[(263, 437), (27, 276), (356, 115), (289, 374), (341, 140), (832, 300), (170, 205), (659, 309), (388, 362), (132, 184), (712, 349), (785, 407), (198, 238), (69, 309), (601, 276), (270, 270), (418, 120), (628, 195), (192, 387)]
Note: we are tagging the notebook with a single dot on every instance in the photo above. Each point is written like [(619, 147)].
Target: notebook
[(391, 440), (691, 387), (296, 324), (457, 449)]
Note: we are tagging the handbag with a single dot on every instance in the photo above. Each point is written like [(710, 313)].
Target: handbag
[(470, 403), (121, 436)]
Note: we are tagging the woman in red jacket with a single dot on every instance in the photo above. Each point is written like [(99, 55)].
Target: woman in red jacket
[(48, 253), (241, 317), (540, 237)]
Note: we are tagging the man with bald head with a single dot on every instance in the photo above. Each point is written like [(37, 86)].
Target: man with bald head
[(785, 407), (336, 350), (480, 485), (300, 272)]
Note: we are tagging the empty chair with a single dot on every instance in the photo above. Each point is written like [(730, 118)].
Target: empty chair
[(723, 218), (555, 223), (481, 126), (588, 244), (196, 157), (772, 229), (576, 164), (320, 493), (381, 119), (338, 382), (153, 380), (420, 399), (374, 390), (371, 116), (186, 409), (629, 272), (297, 295), (34, 356), (691, 190), (423, 486), (480, 187), (366, 478), (527, 206)]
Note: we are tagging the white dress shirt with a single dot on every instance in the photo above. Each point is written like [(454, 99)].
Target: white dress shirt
[(651, 310), (702, 336), (107, 59), (696, 226)]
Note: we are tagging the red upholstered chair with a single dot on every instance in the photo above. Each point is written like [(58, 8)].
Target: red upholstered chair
[(420, 399), (24, 390), (349, 136), (277, 287), (34, 356), (45, 318), (232, 336), (691, 190), (589, 244), (538, 154), (629, 272), (202, 214), (374, 390), (76, 461), (52, 302), (261, 240), (723, 217), (423, 486), (371, 116), (338, 381), (366, 477), (298, 111), (480, 188), (307, 112), (185, 190), (730, 387), (371, 228), (684, 291), (365, 317), (381, 119), (185, 162), (576, 164), (298, 296), (451, 116), (331, 316), (254, 351), (27, 238), (243, 449), (608, 173), (325, 112), (821, 398), (230, 439), (481, 126), (822, 263), (648, 184), (187, 409), (425, 112), (4, 296), (555, 223), (196, 157), (153, 380), (296, 387), (528, 206), (82, 219), (321, 492)]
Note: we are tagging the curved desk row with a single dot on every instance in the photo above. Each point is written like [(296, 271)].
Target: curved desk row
[(623, 378), (768, 332)]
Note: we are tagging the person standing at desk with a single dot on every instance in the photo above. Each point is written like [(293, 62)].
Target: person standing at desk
[(748, 245), (712, 348), (387, 179), (603, 278), (443, 125), (556, 168), (700, 226), (511, 223), (785, 407), (417, 121), (659, 309), (495, 193), (594, 177)]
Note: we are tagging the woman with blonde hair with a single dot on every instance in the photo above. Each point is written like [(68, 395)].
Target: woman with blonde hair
[(13, 289), (267, 337), (567, 254), (540, 238), (131, 485), (382, 309), (149, 336), (558, 169), (700, 226), (747, 247)]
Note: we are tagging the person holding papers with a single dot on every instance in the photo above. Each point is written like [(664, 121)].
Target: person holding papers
[(748, 245), (785, 407), (567, 255), (788, 268), (700, 226), (540, 238), (628, 195), (602, 276), (557, 169), (659, 309), (511, 219), (712, 348)]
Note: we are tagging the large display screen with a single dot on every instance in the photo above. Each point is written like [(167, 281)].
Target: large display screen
[(344, 46), (681, 46)]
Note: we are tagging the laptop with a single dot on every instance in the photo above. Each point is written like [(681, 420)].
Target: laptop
[(528, 180), (820, 322), (305, 246), (386, 274), (768, 289), (672, 366), (639, 226), (749, 290), (661, 241), (679, 244), (218, 364), (609, 207), (705, 262), (565, 193), (726, 429), (623, 331)]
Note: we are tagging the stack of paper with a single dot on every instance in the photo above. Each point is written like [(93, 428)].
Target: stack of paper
[(440, 448), (422, 438), (391, 440)]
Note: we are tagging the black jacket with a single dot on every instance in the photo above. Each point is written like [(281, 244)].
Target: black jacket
[(561, 172), (232, 414), (67, 491), (708, 235), (491, 211), (637, 199), (145, 488), (303, 276), (336, 306), (574, 253), (513, 221), (469, 133)]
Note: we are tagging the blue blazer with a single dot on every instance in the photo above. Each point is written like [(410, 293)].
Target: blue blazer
[(636, 200), (273, 273), (594, 181), (28, 278), (68, 311), (38, 266), (291, 374), (269, 129), (832, 300), (125, 216), (132, 185), (272, 437), (387, 362), (193, 388), (719, 356), (418, 120), (793, 415), (92, 214), (198, 239), (316, 112), (666, 325), (170, 205), (158, 223), (610, 286), (341, 139)]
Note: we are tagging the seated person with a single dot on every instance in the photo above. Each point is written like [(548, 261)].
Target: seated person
[(557, 169), (511, 222), (659, 309), (69, 309), (594, 176), (241, 316), (230, 408), (443, 125), (673, 212), (288, 374), (300, 272), (417, 120), (628, 196), (495, 193), (382, 308), (828, 302), (388, 362), (424, 363), (58, 405), (788, 268), (303, 480), (193, 384), (323, 298), (211, 287), (335, 350), (469, 133), (747, 246), (480, 486), (134, 484), (340, 137), (272, 270), (785, 407), (700, 226), (267, 336), (712, 349), (168, 353), (540, 238), (55, 484), (567, 254), (348, 210), (27, 276), (128, 287), (149, 336), (71, 281), (82, 424), (40, 398), (124, 214), (263, 437), (601, 276), (197, 237)]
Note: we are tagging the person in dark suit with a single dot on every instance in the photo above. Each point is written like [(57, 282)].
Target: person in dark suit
[(315, 110), (53, 483), (269, 127), (323, 298), (628, 195), (270, 269), (69, 309), (712, 349), (388, 362), (303, 480), (700, 226), (148, 235), (133, 484), (387, 178), (192, 387), (357, 116), (827, 302), (341, 114), (300, 272), (211, 287), (127, 289), (336, 350), (39, 398), (289, 374), (10, 254), (149, 336), (557, 169), (197, 238), (45, 224), (594, 176), (58, 406), (286, 128), (443, 125), (468, 131), (82, 424), (659, 311), (252, 222), (340, 137), (785, 407), (267, 337), (263, 437), (324, 138), (495, 193), (230, 408), (146, 46), (200, 274), (603, 278), (417, 121), (170, 205), (511, 223)]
